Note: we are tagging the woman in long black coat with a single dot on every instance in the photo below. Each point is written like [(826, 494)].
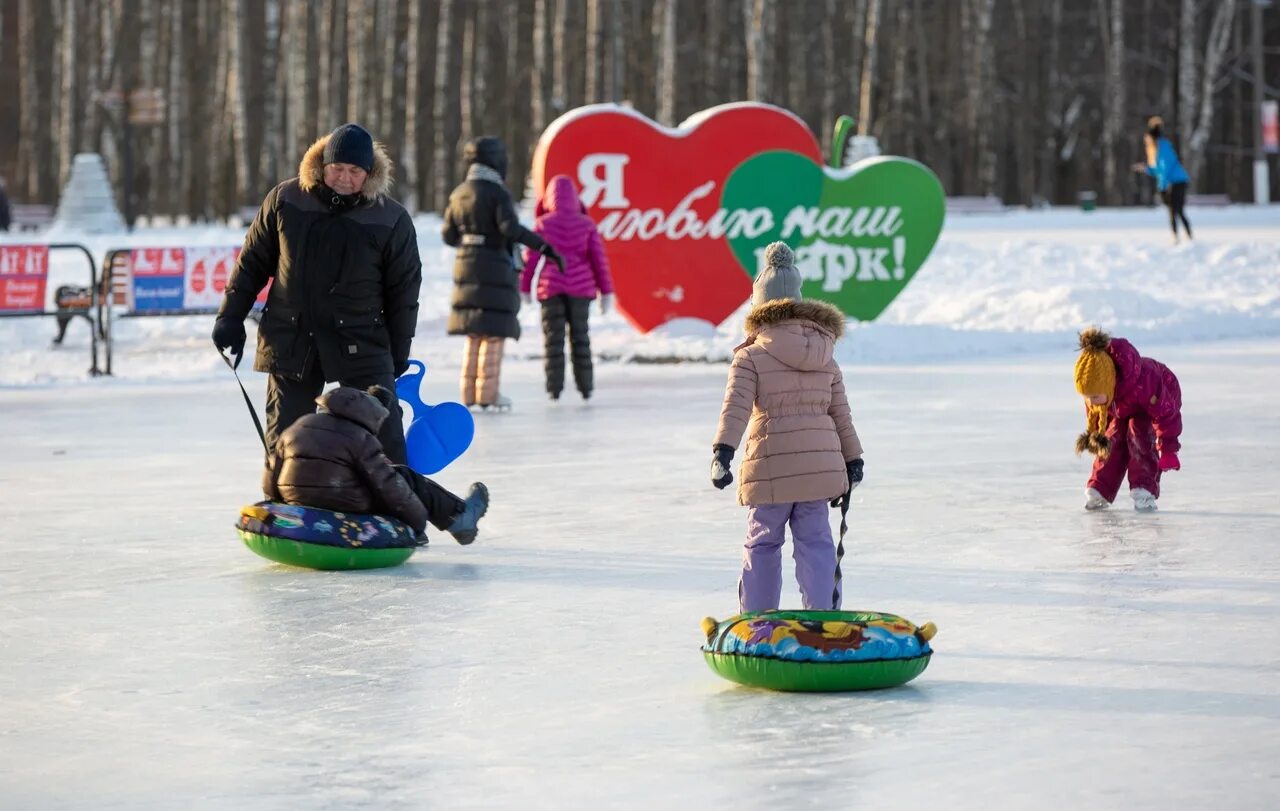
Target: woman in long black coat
[(481, 222)]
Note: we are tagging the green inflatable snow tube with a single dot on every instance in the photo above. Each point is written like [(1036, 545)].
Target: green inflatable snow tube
[(316, 538), (817, 651), (315, 556)]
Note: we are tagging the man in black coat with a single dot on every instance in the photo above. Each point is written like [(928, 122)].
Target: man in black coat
[(481, 222), (343, 259)]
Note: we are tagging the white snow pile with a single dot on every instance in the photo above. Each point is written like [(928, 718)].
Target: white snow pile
[(994, 285)]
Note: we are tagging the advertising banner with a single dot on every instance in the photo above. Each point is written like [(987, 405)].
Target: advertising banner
[(176, 280), (24, 275)]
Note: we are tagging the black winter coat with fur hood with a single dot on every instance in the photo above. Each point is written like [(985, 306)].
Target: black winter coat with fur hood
[(346, 277), (333, 460), (482, 223)]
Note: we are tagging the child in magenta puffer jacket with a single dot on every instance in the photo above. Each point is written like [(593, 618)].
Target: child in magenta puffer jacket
[(566, 297), (1133, 407)]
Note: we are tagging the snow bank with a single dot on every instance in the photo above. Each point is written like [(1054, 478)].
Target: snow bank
[(995, 285)]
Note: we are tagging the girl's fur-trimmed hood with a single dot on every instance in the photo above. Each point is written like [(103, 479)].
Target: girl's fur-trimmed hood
[(799, 334), (376, 185), (826, 316)]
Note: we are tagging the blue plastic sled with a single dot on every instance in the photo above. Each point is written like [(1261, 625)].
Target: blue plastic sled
[(439, 433)]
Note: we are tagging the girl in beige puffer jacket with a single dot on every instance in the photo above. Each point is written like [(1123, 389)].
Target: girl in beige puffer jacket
[(786, 392)]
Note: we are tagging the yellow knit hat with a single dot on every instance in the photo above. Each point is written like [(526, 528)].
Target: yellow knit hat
[(1095, 374)]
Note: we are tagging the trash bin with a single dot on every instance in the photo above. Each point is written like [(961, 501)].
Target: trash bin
[(1088, 200)]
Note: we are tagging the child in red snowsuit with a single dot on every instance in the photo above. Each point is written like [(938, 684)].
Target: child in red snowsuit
[(1134, 410)]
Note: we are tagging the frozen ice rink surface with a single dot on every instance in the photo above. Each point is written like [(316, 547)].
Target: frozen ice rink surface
[(1084, 661)]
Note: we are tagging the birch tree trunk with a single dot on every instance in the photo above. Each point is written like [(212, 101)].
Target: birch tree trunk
[(664, 34), (560, 57), (759, 61), (238, 98), (422, 123), (1214, 53), (516, 106), (868, 68), (448, 104), (467, 94), (333, 68), (900, 111), (270, 126), (1111, 25), (395, 91), (70, 102), (709, 59), (176, 104), (830, 76), (982, 76), (798, 98), (596, 81), (542, 78), (1187, 84), (924, 101), (617, 51), (1053, 103), (1026, 125), (28, 94)]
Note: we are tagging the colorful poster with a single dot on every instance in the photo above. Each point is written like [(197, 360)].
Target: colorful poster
[(686, 213), (207, 271), (179, 280), (24, 275), (157, 275)]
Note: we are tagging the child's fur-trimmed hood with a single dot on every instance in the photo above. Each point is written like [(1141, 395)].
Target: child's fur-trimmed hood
[(826, 316)]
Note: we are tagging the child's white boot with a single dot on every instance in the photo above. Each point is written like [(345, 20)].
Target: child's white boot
[(1094, 500), (1143, 501)]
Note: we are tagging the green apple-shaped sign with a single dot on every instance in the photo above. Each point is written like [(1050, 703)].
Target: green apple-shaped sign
[(860, 234)]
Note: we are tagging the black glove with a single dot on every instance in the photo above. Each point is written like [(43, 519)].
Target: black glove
[(721, 464), (550, 252), (401, 366), (853, 468), (228, 333)]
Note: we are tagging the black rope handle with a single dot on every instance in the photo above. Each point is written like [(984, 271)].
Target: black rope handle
[(844, 528), (248, 402)]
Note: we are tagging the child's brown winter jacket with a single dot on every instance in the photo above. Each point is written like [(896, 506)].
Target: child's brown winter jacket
[(333, 460)]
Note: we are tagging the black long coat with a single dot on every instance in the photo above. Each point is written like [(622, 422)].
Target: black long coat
[(346, 278), (481, 222), (334, 461)]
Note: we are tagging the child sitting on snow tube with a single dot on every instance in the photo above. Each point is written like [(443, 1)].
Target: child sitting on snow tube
[(332, 459)]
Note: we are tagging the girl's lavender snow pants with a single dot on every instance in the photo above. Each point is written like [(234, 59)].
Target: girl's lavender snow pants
[(760, 587)]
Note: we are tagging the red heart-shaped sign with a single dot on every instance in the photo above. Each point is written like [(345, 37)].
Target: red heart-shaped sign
[(654, 192)]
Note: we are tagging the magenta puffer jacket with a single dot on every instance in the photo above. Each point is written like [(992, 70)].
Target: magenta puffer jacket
[(1147, 386), (563, 222)]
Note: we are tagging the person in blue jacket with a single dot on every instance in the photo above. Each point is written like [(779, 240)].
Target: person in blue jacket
[(1171, 179)]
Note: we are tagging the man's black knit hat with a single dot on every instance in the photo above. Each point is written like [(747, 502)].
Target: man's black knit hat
[(350, 143)]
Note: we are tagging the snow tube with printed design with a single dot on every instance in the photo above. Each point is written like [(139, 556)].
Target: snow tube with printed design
[(817, 651), (316, 538)]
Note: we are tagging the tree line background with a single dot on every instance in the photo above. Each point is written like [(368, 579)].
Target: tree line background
[(1028, 100)]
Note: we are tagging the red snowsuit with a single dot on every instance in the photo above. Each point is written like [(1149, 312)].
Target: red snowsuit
[(1144, 422)]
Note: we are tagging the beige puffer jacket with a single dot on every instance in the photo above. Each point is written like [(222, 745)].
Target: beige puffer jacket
[(786, 392)]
